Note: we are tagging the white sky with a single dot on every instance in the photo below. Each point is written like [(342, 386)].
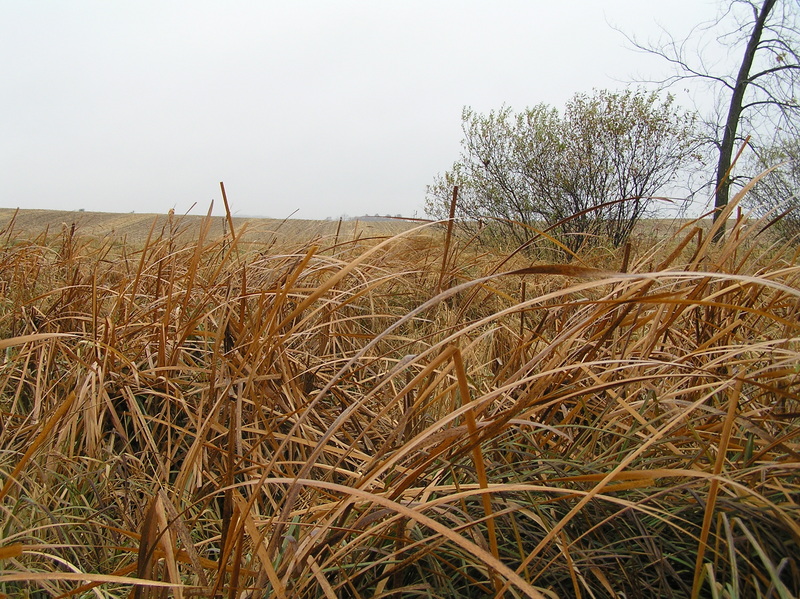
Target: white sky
[(323, 107)]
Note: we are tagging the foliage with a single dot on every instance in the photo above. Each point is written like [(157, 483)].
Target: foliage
[(590, 173), (313, 421), (776, 194)]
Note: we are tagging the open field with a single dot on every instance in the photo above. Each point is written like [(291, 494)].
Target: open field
[(290, 412), (133, 229)]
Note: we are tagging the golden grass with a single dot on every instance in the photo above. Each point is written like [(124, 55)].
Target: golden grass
[(133, 228), (202, 413)]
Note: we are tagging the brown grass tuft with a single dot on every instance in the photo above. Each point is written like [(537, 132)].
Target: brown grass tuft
[(203, 414)]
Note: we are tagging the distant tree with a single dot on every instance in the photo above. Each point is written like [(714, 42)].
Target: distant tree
[(591, 173), (776, 195), (758, 94)]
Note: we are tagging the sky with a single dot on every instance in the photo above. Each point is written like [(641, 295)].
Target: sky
[(305, 108)]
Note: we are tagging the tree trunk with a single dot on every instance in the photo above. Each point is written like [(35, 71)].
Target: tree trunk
[(734, 114)]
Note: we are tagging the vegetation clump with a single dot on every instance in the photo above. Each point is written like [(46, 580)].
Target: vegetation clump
[(349, 418), (585, 176)]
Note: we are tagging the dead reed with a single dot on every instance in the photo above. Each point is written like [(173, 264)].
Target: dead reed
[(196, 417)]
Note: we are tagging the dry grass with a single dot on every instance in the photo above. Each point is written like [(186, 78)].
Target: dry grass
[(133, 229), (199, 415)]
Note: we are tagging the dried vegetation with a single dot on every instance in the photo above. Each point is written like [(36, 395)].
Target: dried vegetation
[(199, 416)]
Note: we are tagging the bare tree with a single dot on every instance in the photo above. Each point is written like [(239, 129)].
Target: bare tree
[(758, 100)]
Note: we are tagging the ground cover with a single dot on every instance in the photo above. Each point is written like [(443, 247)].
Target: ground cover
[(204, 410)]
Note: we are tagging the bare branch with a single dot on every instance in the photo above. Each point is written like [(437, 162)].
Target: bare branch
[(774, 70), (761, 95)]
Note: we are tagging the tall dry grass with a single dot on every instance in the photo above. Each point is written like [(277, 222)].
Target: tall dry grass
[(198, 417)]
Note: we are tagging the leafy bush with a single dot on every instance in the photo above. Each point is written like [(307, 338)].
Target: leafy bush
[(588, 175)]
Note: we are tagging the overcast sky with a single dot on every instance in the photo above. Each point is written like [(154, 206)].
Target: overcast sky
[(325, 108)]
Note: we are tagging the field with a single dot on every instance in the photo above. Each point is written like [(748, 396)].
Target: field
[(133, 229), (211, 407)]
